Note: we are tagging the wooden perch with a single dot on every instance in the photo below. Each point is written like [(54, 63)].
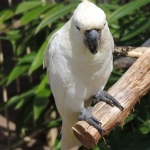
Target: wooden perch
[(129, 51), (133, 85)]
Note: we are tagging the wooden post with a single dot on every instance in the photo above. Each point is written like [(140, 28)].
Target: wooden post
[(133, 85)]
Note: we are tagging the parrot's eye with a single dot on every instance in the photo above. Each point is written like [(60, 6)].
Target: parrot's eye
[(98, 30), (77, 27), (104, 23)]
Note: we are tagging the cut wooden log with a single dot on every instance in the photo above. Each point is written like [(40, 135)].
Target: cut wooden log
[(130, 88)]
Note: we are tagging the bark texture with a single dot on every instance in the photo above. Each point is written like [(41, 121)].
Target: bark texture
[(129, 51)]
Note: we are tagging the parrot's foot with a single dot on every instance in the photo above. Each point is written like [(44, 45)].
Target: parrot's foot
[(86, 115), (108, 99)]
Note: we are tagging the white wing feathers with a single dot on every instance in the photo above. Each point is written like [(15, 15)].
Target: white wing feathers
[(49, 51)]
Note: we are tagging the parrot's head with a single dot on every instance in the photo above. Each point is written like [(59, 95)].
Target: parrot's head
[(89, 20)]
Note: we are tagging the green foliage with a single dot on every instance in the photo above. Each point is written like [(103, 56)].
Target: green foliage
[(16, 72), (55, 13), (37, 22), (13, 100), (126, 10)]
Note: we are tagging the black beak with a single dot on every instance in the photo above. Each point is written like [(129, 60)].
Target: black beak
[(91, 40)]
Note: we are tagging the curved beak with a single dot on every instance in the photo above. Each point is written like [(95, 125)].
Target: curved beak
[(91, 40)]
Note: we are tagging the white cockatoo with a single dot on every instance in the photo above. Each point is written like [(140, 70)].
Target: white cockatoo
[(78, 59)]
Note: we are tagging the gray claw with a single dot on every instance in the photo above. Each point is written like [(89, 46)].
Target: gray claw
[(107, 98), (86, 115)]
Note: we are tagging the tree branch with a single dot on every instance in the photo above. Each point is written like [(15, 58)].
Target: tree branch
[(133, 85), (129, 51)]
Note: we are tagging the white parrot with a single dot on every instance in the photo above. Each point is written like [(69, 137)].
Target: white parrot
[(79, 59)]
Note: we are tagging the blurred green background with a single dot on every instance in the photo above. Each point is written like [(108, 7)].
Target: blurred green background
[(28, 116)]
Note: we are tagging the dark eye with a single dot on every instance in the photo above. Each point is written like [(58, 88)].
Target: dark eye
[(98, 30), (77, 27), (104, 23)]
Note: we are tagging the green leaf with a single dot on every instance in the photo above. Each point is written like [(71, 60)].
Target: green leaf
[(24, 115), (39, 105), (42, 85), (37, 62), (112, 80), (16, 99), (27, 58), (33, 14), (3, 80), (145, 128), (22, 45), (20, 104), (41, 97), (138, 29), (6, 14), (54, 9), (40, 102), (109, 6), (13, 35), (26, 6), (22, 7), (57, 144), (117, 73), (2, 27), (126, 9), (16, 72), (54, 123), (43, 93), (61, 11), (129, 118)]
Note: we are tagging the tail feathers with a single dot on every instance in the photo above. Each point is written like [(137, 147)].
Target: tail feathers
[(68, 140)]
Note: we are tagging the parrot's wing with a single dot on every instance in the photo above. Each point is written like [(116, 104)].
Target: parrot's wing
[(49, 51), (52, 58), (57, 69), (55, 61)]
